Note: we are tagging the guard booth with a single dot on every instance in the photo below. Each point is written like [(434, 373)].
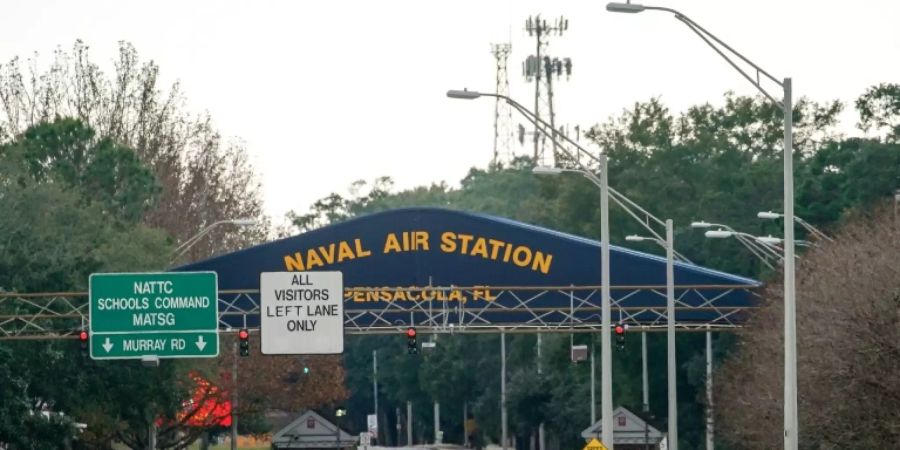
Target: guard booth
[(312, 431), (630, 432)]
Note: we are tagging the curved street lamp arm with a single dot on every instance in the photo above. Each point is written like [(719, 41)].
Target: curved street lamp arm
[(756, 251), (186, 245), (813, 230), (707, 36)]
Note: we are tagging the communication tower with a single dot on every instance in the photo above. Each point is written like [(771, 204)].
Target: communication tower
[(503, 125), (542, 68)]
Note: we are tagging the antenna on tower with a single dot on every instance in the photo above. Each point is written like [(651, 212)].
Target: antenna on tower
[(542, 69), (503, 128)]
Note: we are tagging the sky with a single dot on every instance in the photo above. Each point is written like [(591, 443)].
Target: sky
[(325, 93)]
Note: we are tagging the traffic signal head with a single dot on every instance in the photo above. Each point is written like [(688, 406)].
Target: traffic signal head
[(84, 339), (244, 337), (620, 336), (411, 344)]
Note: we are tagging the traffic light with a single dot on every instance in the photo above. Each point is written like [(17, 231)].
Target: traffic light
[(84, 339), (521, 134), (411, 345), (244, 336), (620, 336)]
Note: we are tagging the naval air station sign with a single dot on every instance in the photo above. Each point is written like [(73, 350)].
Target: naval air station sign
[(301, 313), (168, 315)]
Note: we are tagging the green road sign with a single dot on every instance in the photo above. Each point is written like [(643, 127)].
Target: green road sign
[(169, 315)]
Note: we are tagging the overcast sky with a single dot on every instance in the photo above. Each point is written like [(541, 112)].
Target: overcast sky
[(328, 92)]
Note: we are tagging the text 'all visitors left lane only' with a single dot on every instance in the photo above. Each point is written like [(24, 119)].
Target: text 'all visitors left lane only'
[(301, 313)]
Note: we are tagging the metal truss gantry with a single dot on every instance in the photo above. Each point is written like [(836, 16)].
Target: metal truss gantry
[(511, 309)]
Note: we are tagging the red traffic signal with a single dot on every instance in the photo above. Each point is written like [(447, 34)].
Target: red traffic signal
[(620, 329), (410, 332), (83, 336), (244, 336)]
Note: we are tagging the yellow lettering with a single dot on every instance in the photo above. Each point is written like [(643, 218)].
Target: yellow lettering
[(391, 244), (465, 238), (456, 294), (448, 244), (406, 241), (294, 262), (428, 295), (421, 240), (480, 248), (360, 251), (495, 247), (541, 262), (413, 295), (328, 254), (507, 253), (522, 256), (371, 296), (385, 295), (344, 251), (312, 259), (359, 297)]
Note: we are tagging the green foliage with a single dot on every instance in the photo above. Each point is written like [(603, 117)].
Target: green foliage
[(71, 206), (879, 108)]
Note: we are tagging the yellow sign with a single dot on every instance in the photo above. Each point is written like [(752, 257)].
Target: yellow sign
[(595, 444)]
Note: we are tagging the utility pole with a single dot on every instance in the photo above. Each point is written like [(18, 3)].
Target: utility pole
[(234, 394), (375, 388), (503, 426), (541, 426), (409, 421)]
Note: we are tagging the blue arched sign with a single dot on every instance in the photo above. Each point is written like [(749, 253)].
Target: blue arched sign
[(437, 267)]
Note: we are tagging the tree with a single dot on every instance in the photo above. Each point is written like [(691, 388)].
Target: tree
[(879, 108), (203, 177), (848, 339)]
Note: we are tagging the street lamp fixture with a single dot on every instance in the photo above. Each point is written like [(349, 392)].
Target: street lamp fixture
[(719, 234), (464, 94), (546, 170), (701, 224), (771, 240), (629, 8), (768, 215)]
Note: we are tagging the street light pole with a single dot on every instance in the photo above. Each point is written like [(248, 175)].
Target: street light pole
[(606, 407), (671, 363), (606, 410), (791, 422), (670, 337)]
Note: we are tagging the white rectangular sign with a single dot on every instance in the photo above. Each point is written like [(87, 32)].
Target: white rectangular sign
[(372, 423), (301, 313)]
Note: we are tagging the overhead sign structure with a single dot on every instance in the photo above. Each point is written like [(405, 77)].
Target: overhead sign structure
[(595, 444), (169, 315), (301, 313)]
